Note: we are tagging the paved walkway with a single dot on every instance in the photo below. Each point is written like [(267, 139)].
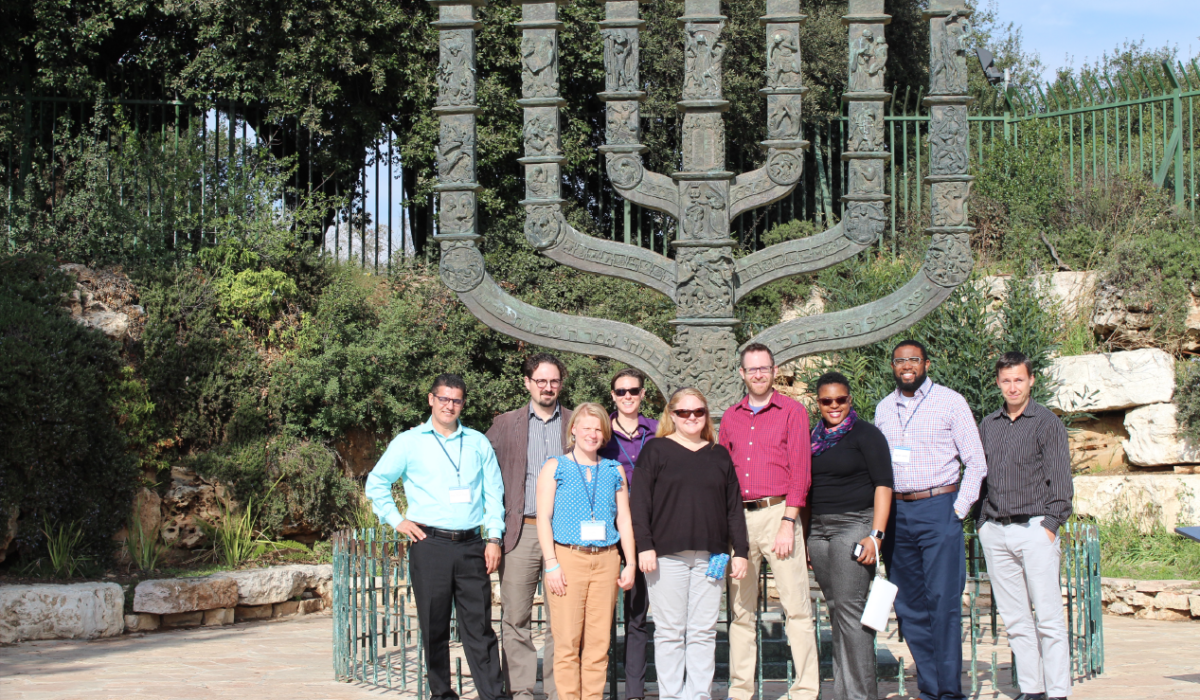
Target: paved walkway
[(291, 660)]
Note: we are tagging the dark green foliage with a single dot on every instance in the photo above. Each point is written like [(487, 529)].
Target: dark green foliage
[(1187, 398), (63, 458)]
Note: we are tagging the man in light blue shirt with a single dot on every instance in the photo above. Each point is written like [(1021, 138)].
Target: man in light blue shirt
[(453, 487)]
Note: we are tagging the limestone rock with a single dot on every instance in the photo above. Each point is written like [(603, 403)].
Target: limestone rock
[(147, 507), (253, 612), (61, 611), (1171, 601), (1119, 608), (105, 300), (179, 595), (288, 609), (1194, 605), (1161, 615), (1096, 443), (141, 622), (1191, 341), (1169, 499), (313, 605), (184, 619), (188, 503), (1122, 316), (1153, 439), (1071, 292), (275, 584), (1112, 381), (220, 616)]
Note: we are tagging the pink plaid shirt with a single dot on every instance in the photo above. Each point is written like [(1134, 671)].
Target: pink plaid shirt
[(771, 449), (937, 426)]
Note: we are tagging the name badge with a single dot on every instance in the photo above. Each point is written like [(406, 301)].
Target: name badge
[(593, 531), (902, 455), (460, 494)]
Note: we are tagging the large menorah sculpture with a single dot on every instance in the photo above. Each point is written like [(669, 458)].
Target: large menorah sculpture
[(704, 280)]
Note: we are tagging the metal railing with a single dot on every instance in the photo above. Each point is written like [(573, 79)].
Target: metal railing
[(377, 640)]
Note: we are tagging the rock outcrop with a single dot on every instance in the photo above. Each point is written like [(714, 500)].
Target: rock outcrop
[(105, 300), (182, 595), (1112, 381), (61, 611), (1169, 499), (1153, 439)]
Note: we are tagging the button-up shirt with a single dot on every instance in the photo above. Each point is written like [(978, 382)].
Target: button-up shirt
[(427, 472), (625, 449), (936, 425), (771, 448), (1028, 466), (545, 441)]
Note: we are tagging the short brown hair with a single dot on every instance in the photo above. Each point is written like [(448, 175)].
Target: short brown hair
[(755, 347), (1013, 359), (542, 358), (666, 426), (629, 372), (594, 410)]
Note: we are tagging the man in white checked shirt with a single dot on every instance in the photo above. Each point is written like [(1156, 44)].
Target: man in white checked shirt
[(931, 432)]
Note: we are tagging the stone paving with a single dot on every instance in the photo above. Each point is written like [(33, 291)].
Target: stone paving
[(1146, 660)]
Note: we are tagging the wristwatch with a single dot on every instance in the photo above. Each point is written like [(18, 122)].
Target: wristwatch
[(877, 534), (494, 540)]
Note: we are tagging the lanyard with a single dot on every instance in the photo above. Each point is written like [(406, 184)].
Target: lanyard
[(645, 434), (457, 467), (592, 494), (905, 423)]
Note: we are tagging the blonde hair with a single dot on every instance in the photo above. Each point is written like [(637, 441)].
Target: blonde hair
[(666, 426), (594, 410)]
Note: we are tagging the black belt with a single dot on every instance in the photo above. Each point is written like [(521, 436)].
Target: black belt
[(452, 535), (1013, 519)]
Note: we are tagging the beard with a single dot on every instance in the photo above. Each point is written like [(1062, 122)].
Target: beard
[(915, 384)]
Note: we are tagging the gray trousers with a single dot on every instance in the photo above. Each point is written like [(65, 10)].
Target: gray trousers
[(520, 572), (1023, 567), (684, 605), (845, 583)]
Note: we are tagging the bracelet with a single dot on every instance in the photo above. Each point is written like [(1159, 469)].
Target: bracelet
[(790, 520), (556, 567)]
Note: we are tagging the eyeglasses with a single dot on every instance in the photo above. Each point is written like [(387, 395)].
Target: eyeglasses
[(447, 400), (632, 392), (541, 383), (899, 361), (690, 412), (834, 400), (758, 370)]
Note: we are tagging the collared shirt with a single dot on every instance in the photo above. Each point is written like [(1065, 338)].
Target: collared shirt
[(545, 441), (937, 427), (416, 458), (625, 449), (1029, 466), (770, 448)]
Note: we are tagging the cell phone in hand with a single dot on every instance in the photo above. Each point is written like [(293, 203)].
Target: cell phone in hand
[(858, 550)]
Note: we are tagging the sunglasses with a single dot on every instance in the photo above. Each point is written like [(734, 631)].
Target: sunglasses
[(632, 392), (834, 400), (690, 412)]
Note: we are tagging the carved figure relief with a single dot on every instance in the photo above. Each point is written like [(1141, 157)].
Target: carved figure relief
[(783, 60), (948, 262), (461, 266), (707, 359), (457, 213), (868, 128), (624, 170), (541, 137), (543, 229), (620, 59), (948, 141), (865, 221), (783, 117), (950, 203), (783, 167), (539, 77), (868, 54), (541, 181), (703, 141), (866, 177), (705, 285), (456, 149), (456, 74), (948, 72), (622, 120), (702, 61), (703, 213)]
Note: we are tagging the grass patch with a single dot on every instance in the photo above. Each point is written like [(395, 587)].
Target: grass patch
[(1127, 552)]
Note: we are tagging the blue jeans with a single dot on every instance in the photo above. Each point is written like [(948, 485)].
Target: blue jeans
[(925, 558)]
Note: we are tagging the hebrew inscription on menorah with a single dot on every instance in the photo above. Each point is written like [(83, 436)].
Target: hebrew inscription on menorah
[(704, 279)]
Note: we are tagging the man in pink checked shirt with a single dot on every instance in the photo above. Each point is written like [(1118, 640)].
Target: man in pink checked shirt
[(767, 435)]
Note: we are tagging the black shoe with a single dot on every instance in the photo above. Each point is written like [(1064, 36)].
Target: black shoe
[(1056, 699), (1032, 696)]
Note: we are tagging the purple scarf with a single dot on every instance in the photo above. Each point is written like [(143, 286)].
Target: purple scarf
[(823, 438)]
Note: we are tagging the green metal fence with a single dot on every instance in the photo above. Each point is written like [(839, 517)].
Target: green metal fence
[(377, 641)]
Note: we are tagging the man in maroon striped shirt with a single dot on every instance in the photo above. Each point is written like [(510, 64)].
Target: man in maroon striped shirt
[(767, 435)]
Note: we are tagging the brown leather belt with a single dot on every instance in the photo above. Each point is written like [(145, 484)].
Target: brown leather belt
[(587, 550), (531, 520), (763, 503), (927, 493)]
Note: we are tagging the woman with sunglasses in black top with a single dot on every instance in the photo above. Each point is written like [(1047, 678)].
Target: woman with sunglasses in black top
[(847, 511), (686, 507)]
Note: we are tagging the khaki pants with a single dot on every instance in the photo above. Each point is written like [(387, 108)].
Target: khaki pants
[(791, 580), (520, 572), (582, 621)]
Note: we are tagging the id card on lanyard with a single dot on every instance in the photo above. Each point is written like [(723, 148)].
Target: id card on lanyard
[(458, 494), (903, 453), (590, 530)]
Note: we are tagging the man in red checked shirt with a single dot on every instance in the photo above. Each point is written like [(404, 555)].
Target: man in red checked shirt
[(767, 435)]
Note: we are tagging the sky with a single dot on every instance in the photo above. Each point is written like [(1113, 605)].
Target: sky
[(1073, 32)]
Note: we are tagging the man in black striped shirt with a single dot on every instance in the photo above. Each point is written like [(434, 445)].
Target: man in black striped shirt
[(1028, 497)]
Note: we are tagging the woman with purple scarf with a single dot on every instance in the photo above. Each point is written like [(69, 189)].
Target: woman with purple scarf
[(848, 510)]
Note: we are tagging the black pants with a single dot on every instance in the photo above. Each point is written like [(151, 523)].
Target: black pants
[(637, 603), (445, 571)]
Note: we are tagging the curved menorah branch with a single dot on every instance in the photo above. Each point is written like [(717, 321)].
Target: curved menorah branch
[(560, 242), (505, 313), (795, 257)]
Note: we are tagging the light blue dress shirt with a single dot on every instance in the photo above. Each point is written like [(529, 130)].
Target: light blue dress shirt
[(428, 474)]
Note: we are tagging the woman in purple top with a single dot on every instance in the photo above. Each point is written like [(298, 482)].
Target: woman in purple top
[(630, 431)]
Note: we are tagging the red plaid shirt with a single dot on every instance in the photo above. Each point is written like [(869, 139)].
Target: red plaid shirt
[(771, 449)]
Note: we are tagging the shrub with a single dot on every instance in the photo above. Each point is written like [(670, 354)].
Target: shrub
[(1187, 398)]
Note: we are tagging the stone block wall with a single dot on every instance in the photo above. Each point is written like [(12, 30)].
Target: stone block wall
[(1176, 601)]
